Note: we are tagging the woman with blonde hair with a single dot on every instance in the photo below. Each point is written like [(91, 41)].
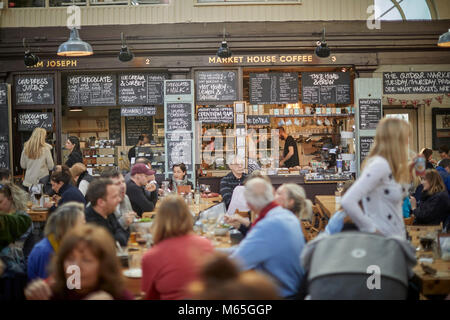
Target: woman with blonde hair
[(176, 258), (434, 206), (292, 197), (36, 158), (383, 183)]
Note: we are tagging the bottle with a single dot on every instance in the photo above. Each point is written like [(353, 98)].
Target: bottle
[(197, 195)]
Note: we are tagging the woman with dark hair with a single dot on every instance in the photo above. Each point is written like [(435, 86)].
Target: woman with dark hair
[(73, 145), (179, 176), (176, 257), (92, 249), (60, 181), (428, 153), (434, 206)]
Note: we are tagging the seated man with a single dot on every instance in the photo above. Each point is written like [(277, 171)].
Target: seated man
[(235, 178), (151, 190), (140, 177), (124, 212), (275, 242), (104, 198)]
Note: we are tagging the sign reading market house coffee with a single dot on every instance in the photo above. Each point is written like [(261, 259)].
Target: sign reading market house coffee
[(273, 88), (326, 88), (217, 114), (416, 82), (142, 89), (216, 85), (34, 89), (369, 113), (28, 121), (91, 90)]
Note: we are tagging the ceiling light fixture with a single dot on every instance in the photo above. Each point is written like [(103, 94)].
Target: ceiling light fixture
[(444, 40), (29, 58), (224, 51), (75, 47), (125, 53), (322, 50)]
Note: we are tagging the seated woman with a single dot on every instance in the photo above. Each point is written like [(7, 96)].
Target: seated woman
[(66, 217), (60, 181), (434, 206), (339, 220), (81, 177), (179, 176), (177, 255), (15, 232), (292, 197), (92, 249)]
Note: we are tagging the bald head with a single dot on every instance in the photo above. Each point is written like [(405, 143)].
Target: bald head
[(258, 194)]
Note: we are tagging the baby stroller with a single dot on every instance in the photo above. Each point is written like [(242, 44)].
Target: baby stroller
[(358, 266)]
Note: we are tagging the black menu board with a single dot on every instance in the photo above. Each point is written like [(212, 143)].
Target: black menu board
[(115, 124), (258, 120), (369, 113), (217, 114), (179, 149), (4, 127), (216, 86), (137, 111), (179, 116), (326, 87), (28, 121), (270, 88), (416, 82), (3, 94), (34, 89), (365, 143), (142, 89), (178, 87), (91, 90), (135, 126)]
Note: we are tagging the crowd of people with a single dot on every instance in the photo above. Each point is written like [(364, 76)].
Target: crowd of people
[(89, 216)]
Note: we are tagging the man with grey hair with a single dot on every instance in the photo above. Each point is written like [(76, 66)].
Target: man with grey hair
[(275, 241), (235, 178)]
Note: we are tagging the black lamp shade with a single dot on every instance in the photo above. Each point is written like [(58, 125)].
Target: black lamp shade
[(125, 54), (224, 51), (75, 47), (30, 59), (322, 50)]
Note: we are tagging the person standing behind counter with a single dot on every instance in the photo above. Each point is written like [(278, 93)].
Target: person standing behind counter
[(290, 152), (73, 145)]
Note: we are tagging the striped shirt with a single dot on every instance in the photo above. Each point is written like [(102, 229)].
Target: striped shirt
[(227, 185)]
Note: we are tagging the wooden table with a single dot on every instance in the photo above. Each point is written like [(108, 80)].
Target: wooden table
[(327, 204), (205, 203), (38, 216), (439, 283)]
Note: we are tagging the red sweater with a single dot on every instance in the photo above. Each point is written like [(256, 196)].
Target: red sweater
[(171, 265)]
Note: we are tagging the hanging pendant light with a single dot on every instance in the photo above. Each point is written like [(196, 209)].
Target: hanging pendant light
[(75, 47), (224, 51), (444, 40)]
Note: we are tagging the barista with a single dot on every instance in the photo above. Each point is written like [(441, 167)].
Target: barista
[(290, 152)]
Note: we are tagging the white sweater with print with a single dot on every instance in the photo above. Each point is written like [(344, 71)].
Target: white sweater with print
[(381, 197)]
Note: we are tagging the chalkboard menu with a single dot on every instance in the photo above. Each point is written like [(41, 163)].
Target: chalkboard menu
[(91, 90), (137, 111), (179, 149), (142, 89), (179, 116), (216, 86), (326, 87), (178, 87), (218, 114), (34, 89), (4, 127), (369, 113), (3, 94), (28, 121), (114, 124), (273, 88), (365, 143), (416, 82), (258, 120), (134, 127)]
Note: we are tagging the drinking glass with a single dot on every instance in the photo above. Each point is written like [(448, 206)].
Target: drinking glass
[(134, 258), (36, 190), (340, 187)]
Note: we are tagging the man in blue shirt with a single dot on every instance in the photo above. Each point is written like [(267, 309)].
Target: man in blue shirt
[(443, 168), (275, 241)]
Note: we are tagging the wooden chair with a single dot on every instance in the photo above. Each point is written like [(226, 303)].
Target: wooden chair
[(409, 221), (243, 214), (308, 230), (319, 219)]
